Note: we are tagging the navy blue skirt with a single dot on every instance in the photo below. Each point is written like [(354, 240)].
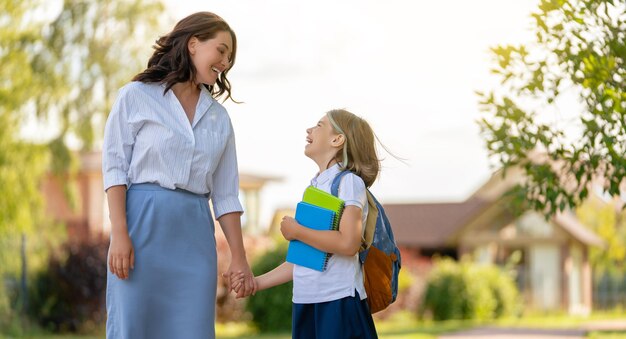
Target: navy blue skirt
[(345, 318), (171, 291)]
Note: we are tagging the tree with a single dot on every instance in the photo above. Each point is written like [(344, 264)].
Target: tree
[(89, 50), (579, 47), (67, 72), (21, 164), (608, 221), (64, 70)]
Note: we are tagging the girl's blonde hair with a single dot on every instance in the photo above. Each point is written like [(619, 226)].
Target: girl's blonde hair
[(358, 153)]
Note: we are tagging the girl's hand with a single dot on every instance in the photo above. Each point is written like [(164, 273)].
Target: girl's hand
[(236, 281), (254, 289), (289, 227), (121, 255)]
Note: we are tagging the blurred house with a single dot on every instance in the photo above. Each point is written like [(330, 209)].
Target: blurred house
[(550, 257), (86, 214)]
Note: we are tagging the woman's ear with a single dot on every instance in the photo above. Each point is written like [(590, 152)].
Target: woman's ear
[(191, 45)]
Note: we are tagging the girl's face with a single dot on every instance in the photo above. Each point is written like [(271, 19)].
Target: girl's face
[(211, 57), (322, 141)]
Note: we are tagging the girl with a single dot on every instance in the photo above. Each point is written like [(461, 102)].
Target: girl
[(168, 147), (331, 304)]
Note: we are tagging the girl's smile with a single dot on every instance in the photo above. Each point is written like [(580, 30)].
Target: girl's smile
[(322, 143)]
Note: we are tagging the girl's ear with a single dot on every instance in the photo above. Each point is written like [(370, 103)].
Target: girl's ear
[(338, 140), (191, 45)]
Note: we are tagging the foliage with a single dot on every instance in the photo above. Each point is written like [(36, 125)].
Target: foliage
[(60, 69), (37, 246), (468, 291), (271, 308), (580, 48), (21, 164), (66, 70), (608, 221), (504, 291), (405, 281), (89, 50), (69, 295)]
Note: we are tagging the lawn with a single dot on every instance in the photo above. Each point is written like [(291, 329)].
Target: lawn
[(403, 325)]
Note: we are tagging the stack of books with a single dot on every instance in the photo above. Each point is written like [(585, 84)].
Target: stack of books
[(318, 210)]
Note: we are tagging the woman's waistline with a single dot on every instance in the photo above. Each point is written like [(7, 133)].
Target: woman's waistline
[(155, 187)]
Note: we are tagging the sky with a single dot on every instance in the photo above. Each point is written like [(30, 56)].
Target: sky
[(410, 68)]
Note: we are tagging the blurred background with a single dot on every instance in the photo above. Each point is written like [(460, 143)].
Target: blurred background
[(503, 180)]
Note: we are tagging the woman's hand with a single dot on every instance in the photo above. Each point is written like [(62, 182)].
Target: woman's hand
[(121, 255), (289, 227), (241, 271), (231, 225)]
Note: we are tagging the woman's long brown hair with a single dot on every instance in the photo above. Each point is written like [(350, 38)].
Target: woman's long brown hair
[(171, 63)]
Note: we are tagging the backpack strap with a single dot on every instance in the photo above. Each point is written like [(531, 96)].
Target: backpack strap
[(334, 188), (384, 219)]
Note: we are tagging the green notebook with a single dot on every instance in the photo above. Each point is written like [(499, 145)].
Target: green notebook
[(317, 197)]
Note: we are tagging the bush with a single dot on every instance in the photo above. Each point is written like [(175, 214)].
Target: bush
[(271, 309), (504, 291), (468, 291), (70, 294), (5, 309)]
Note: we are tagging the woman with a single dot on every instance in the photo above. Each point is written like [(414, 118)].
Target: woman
[(169, 146)]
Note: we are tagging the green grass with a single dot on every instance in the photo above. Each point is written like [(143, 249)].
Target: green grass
[(404, 325), (557, 320), (607, 335)]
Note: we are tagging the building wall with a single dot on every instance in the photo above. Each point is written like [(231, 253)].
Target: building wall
[(545, 276)]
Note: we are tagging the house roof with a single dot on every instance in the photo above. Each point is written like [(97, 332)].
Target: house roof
[(434, 225), (581, 233), (430, 225), (255, 182)]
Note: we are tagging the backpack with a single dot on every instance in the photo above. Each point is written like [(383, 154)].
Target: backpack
[(379, 255)]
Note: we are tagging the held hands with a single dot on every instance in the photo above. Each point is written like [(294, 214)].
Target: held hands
[(121, 255), (239, 267), (289, 227), (238, 284)]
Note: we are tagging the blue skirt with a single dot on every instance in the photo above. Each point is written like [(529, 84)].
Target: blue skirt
[(345, 318), (171, 291)]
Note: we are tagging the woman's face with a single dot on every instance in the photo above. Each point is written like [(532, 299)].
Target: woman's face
[(211, 57)]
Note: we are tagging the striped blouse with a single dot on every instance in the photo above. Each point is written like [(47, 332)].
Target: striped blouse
[(148, 139)]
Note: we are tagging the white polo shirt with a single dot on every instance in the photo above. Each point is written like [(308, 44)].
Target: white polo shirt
[(343, 275)]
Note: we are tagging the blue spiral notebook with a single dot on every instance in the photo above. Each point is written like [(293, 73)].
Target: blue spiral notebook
[(317, 218)]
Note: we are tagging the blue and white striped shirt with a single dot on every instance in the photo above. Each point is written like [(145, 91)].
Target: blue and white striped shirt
[(148, 139)]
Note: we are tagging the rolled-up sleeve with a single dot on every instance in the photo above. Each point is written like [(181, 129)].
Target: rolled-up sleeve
[(118, 144), (225, 194)]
